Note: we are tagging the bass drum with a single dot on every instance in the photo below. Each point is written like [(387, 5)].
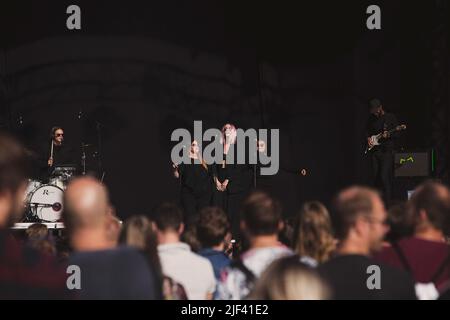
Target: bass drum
[(59, 182), (46, 203), (32, 185)]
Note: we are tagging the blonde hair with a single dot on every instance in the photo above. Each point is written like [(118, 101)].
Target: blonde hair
[(313, 234), (233, 137), (137, 231), (289, 279)]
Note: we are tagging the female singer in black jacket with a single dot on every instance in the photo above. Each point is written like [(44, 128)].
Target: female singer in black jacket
[(232, 180), (196, 183)]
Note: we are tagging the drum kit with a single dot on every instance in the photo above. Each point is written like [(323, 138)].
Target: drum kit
[(44, 202)]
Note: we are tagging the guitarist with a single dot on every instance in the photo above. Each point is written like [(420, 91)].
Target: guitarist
[(382, 156)]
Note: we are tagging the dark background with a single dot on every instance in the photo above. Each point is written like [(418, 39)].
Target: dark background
[(140, 69)]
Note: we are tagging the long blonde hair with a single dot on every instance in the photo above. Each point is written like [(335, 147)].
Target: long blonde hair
[(313, 234), (288, 279), (223, 139), (138, 232)]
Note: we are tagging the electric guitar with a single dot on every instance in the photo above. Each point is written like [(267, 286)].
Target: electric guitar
[(374, 140)]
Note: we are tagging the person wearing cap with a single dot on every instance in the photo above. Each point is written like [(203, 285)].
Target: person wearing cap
[(382, 156)]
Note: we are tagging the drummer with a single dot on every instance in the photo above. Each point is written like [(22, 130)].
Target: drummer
[(56, 153)]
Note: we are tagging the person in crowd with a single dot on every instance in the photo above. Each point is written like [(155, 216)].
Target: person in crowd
[(400, 223), (63, 249), (107, 272), (189, 236), (114, 227), (196, 183), (43, 246), (139, 232), (37, 231), (25, 273), (260, 224), (286, 235), (178, 262), (360, 226), (289, 279), (38, 237), (313, 236), (213, 232), (425, 254)]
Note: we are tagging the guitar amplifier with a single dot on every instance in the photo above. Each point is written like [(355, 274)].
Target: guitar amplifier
[(412, 164)]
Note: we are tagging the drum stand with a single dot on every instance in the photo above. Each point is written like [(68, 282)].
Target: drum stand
[(31, 212)]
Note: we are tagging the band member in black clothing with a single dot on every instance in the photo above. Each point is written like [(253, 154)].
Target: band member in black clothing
[(232, 180), (56, 147), (196, 183), (55, 153), (382, 156)]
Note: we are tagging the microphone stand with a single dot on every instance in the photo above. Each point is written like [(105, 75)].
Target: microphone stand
[(255, 165), (100, 153), (83, 158), (260, 80), (83, 145)]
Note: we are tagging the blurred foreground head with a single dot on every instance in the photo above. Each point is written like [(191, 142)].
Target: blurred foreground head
[(261, 215), (212, 227), (313, 234), (139, 232), (14, 169), (289, 279), (429, 208), (360, 220), (88, 214)]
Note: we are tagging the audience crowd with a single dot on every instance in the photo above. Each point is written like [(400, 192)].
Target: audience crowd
[(355, 249)]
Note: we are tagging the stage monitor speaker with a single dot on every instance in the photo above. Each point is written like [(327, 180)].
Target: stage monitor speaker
[(412, 164), (405, 186)]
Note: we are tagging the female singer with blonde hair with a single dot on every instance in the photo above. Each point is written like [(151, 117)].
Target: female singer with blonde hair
[(232, 181)]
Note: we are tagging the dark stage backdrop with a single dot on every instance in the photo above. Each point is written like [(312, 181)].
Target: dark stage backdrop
[(138, 70)]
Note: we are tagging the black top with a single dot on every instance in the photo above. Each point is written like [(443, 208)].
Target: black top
[(121, 273), (377, 125), (238, 175), (195, 178), (348, 275), (63, 155)]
